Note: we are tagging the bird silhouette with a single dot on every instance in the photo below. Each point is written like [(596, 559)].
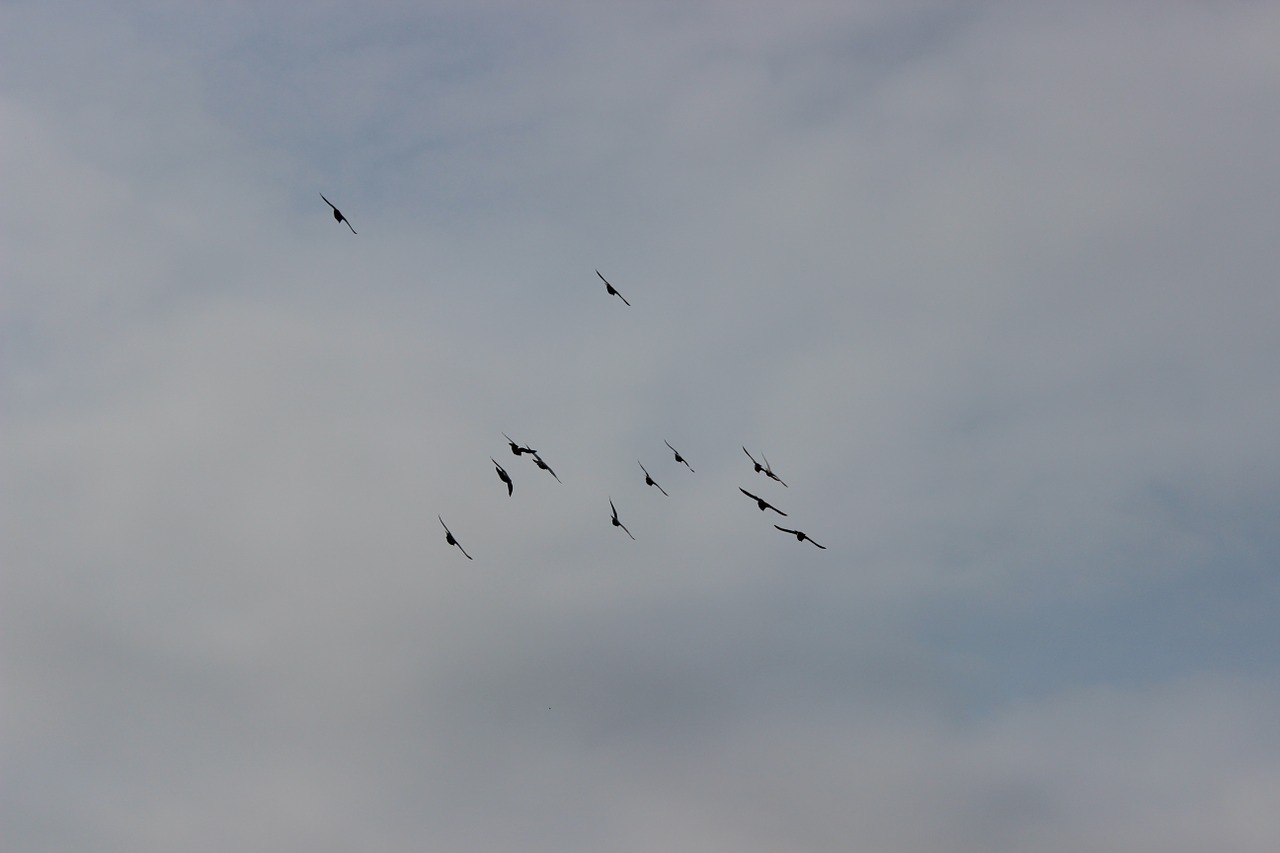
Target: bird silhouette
[(680, 458), (537, 460), (337, 214), (759, 467), (800, 536), (517, 449), (768, 472), (648, 481), (449, 537), (613, 291), (503, 476), (617, 523), (761, 502)]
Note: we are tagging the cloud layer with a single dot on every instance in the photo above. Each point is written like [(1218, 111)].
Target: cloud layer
[(992, 288)]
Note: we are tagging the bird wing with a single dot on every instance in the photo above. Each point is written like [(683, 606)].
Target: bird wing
[(785, 530), (749, 456), (442, 524), (326, 201), (748, 494)]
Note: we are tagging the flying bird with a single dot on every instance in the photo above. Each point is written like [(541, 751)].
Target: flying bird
[(448, 537), (617, 523), (801, 536), (759, 467), (337, 214), (503, 476), (537, 460), (761, 502), (680, 458), (768, 472), (648, 481), (613, 291), (517, 449)]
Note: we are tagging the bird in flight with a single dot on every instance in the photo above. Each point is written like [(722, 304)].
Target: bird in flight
[(761, 502), (337, 214), (801, 536), (448, 537), (613, 291), (503, 476), (768, 472), (617, 523), (759, 467), (517, 449), (537, 460), (648, 481), (680, 458)]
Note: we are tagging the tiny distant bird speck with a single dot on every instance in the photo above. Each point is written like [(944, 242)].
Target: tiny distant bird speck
[(537, 460), (768, 472), (801, 536), (616, 523), (680, 458), (613, 291), (337, 214), (648, 481), (761, 502), (516, 448), (503, 476), (449, 537)]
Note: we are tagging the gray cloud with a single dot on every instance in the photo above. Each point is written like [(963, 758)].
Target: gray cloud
[(991, 288)]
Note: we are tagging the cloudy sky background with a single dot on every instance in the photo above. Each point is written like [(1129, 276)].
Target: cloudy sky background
[(992, 285)]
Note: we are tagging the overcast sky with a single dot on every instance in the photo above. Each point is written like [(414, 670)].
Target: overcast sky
[(992, 285)]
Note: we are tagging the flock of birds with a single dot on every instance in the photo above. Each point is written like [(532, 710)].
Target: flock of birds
[(521, 450)]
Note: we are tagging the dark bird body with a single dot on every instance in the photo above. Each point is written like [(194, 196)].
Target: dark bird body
[(537, 460), (801, 536), (761, 502), (503, 476), (613, 291), (648, 481), (449, 537), (337, 214), (768, 472), (617, 523), (680, 458), (516, 448)]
